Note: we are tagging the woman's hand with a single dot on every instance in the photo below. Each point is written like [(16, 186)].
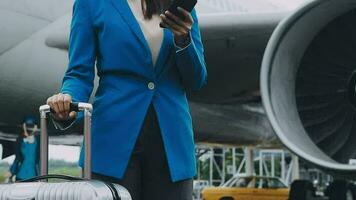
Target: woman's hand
[(60, 103), (7, 174), (179, 27)]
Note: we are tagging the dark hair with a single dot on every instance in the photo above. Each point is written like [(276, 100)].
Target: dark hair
[(151, 7)]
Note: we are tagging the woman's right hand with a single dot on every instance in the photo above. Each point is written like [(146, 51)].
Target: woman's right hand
[(7, 174), (60, 103)]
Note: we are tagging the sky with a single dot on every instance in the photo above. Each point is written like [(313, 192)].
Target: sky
[(248, 6), (288, 4), (57, 152)]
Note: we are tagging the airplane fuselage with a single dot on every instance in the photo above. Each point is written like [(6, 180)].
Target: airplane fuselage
[(32, 70)]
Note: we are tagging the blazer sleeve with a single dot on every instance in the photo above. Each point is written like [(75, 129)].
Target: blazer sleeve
[(38, 153), (190, 60), (78, 80), (14, 168), (79, 77)]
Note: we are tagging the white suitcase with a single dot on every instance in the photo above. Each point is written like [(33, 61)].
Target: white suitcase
[(73, 188)]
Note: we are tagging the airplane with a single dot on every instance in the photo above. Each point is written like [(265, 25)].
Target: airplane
[(277, 77), (33, 59)]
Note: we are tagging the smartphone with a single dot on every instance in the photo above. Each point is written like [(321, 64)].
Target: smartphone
[(185, 4)]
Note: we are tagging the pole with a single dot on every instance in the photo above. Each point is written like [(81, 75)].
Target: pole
[(249, 168), (295, 168)]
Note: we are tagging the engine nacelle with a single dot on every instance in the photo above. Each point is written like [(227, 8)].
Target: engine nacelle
[(308, 83)]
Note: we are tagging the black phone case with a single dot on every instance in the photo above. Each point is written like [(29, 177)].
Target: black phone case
[(186, 4)]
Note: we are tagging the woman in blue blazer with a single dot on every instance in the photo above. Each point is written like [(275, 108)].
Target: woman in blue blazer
[(141, 127)]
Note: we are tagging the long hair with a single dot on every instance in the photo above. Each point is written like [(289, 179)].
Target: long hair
[(151, 7)]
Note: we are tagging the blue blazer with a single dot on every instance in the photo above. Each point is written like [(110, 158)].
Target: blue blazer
[(107, 32)]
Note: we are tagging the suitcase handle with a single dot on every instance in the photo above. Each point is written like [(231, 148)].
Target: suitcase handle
[(74, 106), (80, 107)]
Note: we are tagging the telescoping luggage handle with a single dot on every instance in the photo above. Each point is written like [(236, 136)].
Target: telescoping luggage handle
[(78, 107)]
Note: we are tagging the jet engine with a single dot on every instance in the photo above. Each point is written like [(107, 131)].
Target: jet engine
[(308, 83)]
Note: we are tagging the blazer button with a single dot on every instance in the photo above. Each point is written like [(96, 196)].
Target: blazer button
[(151, 86)]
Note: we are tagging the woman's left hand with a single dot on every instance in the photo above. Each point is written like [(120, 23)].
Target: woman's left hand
[(179, 27)]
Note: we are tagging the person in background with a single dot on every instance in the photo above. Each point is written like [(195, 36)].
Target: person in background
[(27, 154)]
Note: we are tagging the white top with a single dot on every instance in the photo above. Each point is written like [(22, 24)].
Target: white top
[(151, 30)]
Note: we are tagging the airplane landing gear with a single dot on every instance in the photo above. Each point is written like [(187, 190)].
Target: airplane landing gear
[(302, 190), (337, 190), (341, 190)]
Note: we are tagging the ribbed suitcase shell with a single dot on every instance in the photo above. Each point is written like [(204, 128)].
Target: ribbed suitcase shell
[(71, 190), (80, 190)]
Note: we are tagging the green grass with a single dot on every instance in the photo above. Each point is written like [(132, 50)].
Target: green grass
[(55, 167), (70, 171), (2, 174)]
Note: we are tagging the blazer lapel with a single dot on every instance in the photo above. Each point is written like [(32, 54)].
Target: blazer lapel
[(124, 9)]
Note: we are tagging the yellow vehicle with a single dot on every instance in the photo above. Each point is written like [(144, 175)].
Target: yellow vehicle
[(248, 188)]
